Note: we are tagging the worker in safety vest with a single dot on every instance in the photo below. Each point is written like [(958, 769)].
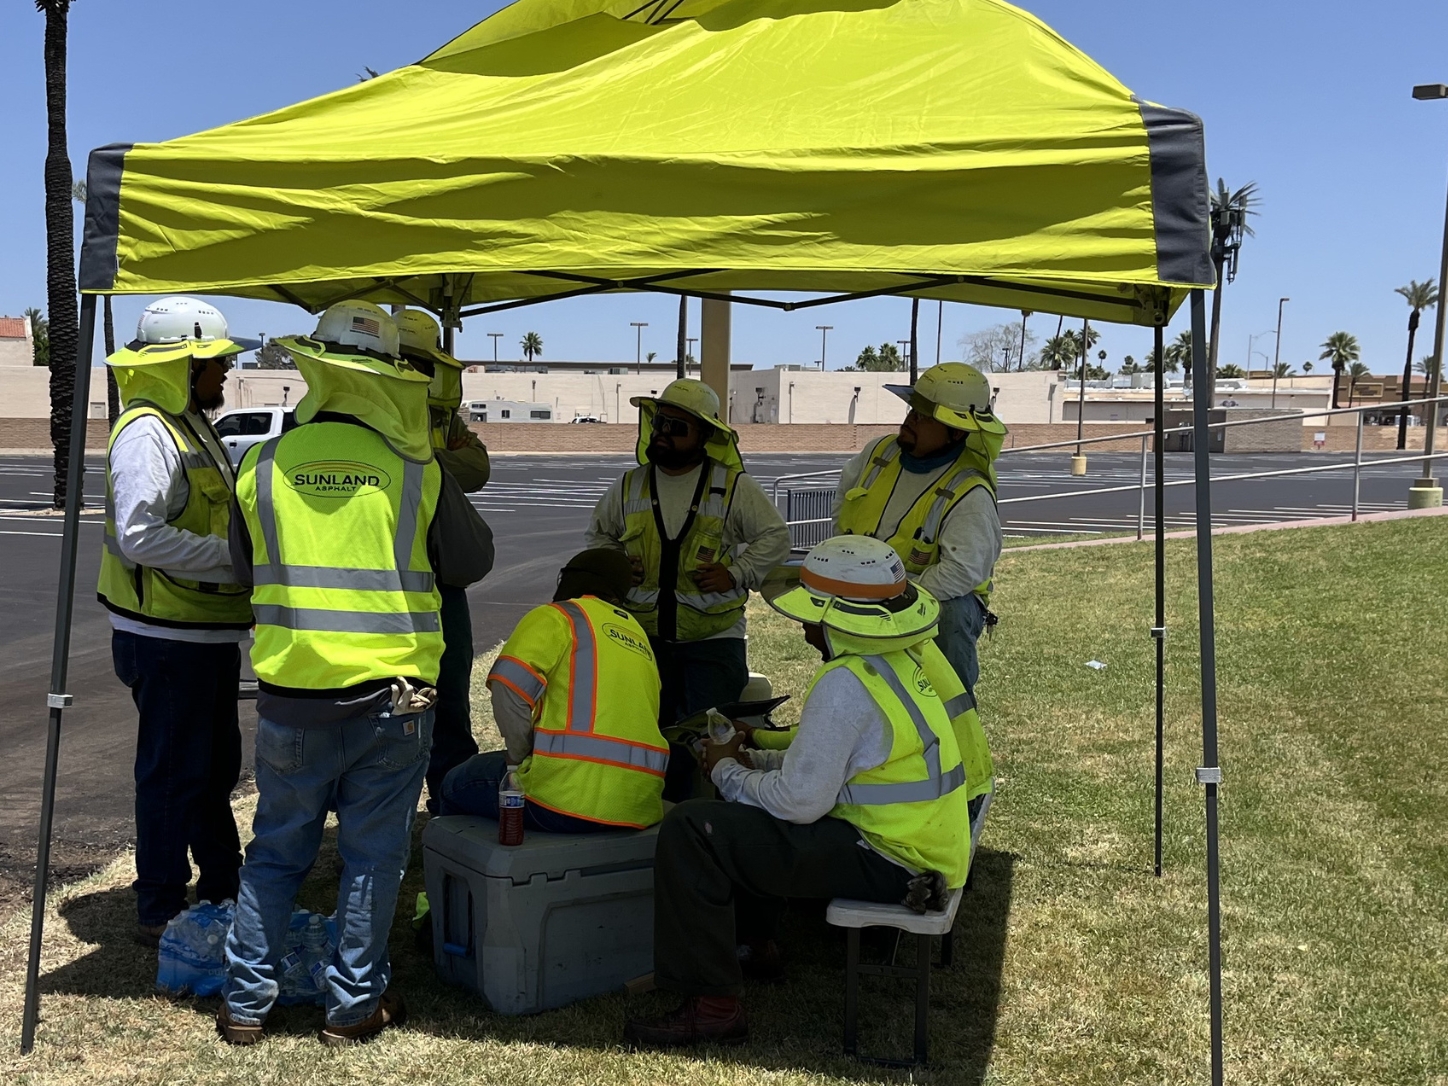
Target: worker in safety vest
[(576, 697), (930, 491), (177, 614), (463, 456), (700, 534), (871, 801), (346, 525)]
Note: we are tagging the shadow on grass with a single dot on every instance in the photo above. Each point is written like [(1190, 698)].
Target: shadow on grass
[(796, 1025)]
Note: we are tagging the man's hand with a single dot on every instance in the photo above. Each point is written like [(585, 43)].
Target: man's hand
[(713, 577), (714, 753), (637, 564)]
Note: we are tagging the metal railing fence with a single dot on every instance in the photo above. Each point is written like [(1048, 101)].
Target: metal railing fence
[(816, 502)]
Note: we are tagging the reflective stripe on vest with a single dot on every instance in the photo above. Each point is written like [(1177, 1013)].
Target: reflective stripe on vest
[(518, 677), (598, 748), (397, 579), (935, 784)]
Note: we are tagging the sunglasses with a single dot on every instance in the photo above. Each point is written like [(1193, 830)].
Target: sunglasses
[(668, 426)]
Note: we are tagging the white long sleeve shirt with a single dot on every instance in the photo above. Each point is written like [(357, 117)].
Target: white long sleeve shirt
[(970, 536), (149, 489), (842, 733), (752, 523)]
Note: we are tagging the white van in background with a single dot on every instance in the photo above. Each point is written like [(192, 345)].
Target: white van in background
[(244, 427)]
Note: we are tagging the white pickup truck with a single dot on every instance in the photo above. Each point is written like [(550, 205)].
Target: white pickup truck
[(244, 427)]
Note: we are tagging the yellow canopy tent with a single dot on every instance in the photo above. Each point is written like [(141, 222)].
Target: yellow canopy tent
[(954, 149), (950, 149)]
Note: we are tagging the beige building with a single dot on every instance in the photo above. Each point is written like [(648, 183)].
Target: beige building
[(16, 348)]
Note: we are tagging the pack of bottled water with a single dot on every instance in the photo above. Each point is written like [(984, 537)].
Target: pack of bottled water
[(192, 957), (311, 944)]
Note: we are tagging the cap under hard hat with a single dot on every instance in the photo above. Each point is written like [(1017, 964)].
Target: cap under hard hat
[(954, 393), (156, 366), (355, 344), (699, 400), (855, 587)]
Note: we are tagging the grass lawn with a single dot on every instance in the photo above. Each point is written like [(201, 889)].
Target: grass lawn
[(1073, 964)]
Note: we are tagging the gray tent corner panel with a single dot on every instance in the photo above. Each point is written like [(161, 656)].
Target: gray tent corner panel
[(1179, 194), (98, 264)]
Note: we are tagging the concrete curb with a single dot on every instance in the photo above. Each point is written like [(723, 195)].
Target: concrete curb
[(1240, 529)]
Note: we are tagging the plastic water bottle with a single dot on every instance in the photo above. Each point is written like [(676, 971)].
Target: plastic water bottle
[(510, 808), (317, 950), (294, 975)]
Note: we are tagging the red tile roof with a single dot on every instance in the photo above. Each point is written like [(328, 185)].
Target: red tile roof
[(12, 327)]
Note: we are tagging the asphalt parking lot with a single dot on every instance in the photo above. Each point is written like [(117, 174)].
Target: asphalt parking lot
[(538, 507)]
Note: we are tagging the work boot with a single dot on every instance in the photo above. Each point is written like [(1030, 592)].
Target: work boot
[(149, 935), (716, 1020), (391, 1011), (760, 960), (236, 1033)]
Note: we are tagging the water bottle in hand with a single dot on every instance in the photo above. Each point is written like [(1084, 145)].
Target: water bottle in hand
[(510, 808)]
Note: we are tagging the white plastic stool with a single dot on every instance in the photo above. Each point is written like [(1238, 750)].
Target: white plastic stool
[(855, 915)]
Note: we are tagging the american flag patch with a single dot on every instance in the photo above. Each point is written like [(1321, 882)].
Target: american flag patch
[(367, 326), (706, 554)]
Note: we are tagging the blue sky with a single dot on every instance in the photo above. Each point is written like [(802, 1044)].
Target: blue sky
[(1311, 101)]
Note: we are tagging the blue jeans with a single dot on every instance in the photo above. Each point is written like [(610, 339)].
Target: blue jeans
[(472, 789), (961, 621), (370, 768), (188, 759)]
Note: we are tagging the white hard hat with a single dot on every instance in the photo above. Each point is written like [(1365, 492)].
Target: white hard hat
[(176, 320), (954, 393), (359, 324), (855, 585)]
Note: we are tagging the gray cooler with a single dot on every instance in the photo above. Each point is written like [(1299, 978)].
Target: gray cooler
[(559, 918)]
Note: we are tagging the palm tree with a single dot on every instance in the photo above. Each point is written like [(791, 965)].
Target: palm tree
[(1307, 367), (59, 245), (532, 344), (39, 336), (108, 327), (1060, 351), (1426, 366), (1356, 372), (1178, 353), (1419, 296), (1229, 213), (1231, 370), (1339, 349)]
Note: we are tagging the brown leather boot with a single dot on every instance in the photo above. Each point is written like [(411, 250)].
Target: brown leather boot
[(716, 1020), (391, 1011), (149, 935), (236, 1033)]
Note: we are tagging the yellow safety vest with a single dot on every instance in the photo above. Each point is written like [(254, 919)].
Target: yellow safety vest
[(697, 614), (588, 672), (344, 592), (914, 807), (153, 595), (917, 537), (959, 706)]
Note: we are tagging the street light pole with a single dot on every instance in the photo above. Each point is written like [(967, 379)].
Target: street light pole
[(823, 330), (1426, 492), (1277, 350), (639, 326), (495, 336)]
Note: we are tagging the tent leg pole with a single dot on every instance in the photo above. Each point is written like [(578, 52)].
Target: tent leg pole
[(1159, 630), (60, 661), (1210, 773)]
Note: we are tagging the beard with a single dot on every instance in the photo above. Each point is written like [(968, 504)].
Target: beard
[(665, 456), (211, 403)]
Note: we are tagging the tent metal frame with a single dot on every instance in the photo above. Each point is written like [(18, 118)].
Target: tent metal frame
[(1209, 774)]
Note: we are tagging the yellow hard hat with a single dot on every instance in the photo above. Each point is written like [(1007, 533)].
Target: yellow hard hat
[(419, 337), (956, 394), (699, 400)]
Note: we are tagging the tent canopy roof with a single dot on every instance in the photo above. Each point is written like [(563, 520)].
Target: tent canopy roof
[(954, 149)]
